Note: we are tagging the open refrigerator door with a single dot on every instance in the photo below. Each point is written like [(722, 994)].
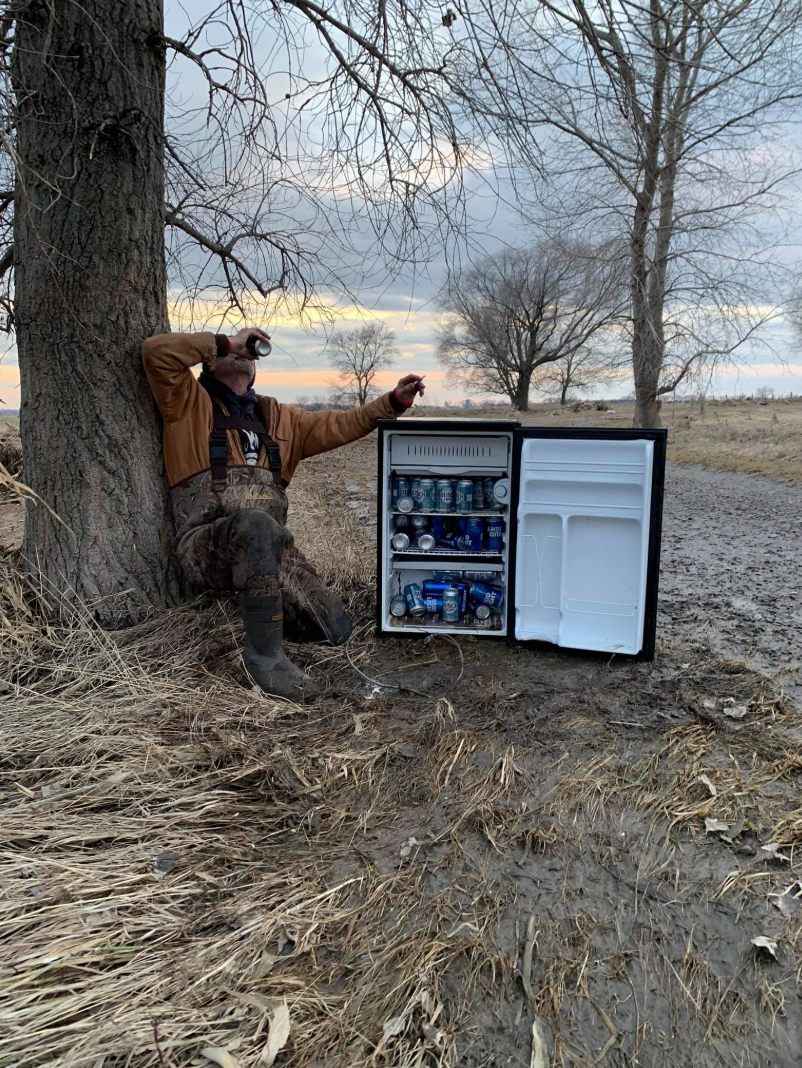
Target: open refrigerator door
[(443, 531), (588, 517)]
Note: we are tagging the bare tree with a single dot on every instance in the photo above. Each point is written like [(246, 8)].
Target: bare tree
[(521, 310), (663, 122), (286, 178), (358, 355), (581, 369)]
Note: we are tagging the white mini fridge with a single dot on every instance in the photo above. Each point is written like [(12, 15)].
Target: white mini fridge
[(558, 541)]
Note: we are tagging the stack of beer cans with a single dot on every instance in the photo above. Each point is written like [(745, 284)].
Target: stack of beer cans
[(443, 512)]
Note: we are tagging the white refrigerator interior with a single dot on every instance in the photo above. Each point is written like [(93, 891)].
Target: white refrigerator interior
[(480, 457), (583, 538)]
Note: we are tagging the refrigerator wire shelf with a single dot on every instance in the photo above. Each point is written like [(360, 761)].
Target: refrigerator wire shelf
[(485, 513), (444, 550), (432, 622)]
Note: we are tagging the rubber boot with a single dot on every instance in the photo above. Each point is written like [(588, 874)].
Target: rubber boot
[(264, 653)]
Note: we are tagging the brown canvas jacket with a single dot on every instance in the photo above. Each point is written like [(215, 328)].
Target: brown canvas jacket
[(186, 408)]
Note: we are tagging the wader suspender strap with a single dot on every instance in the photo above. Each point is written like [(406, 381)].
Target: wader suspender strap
[(218, 447)]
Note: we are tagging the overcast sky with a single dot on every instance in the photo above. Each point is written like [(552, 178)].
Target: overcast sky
[(407, 304)]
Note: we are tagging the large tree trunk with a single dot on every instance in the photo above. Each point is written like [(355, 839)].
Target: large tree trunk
[(520, 396), (90, 285)]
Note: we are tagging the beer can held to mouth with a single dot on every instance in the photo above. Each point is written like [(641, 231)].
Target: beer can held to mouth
[(257, 346)]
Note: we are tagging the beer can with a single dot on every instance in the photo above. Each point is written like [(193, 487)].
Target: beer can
[(394, 493), (425, 541), (451, 603), (414, 492), (484, 593), (494, 534), (478, 495), (464, 499), (460, 525), (402, 485), (414, 598), (398, 606), (420, 522), (431, 603), (405, 504), (400, 541), (481, 576), (433, 587), (428, 495), (438, 527), (445, 495), (454, 540), (401, 522), (447, 576), (474, 532), (482, 611), (490, 500), (501, 491)]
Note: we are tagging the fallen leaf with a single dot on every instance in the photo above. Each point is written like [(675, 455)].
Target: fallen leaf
[(788, 901), (279, 1033), (705, 781), (408, 846), (358, 726), (220, 1056), (767, 944), (771, 851), (709, 703), (165, 863), (258, 1001), (713, 826), (735, 711), (734, 831), (394, 1027)]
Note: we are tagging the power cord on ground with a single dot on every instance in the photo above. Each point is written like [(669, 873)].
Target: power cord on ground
[(399, 686)]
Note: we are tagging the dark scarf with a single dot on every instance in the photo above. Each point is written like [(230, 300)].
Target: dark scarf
[(238, 404)]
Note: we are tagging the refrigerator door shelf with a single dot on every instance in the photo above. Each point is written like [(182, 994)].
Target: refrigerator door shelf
[(582, 561)]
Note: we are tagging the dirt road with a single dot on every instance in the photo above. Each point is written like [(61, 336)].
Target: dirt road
[(731, 570)]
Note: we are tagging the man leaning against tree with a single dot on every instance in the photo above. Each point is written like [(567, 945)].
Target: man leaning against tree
[(230, 455)]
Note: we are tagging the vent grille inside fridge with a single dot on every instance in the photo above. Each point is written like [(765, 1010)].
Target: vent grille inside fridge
[(447, 450)]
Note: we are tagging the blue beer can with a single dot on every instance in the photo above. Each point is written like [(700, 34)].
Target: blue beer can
[(494, 534), (444, 491), (464, 500), (461, 524), (428, 495), (438, 527), (484, 593), (434, 588), (414, 492), (447, 575), (478, 495), (451, 606), (400, 488), (490, 500), (432, 603), (413, 595), (474, 533), (454, 540)]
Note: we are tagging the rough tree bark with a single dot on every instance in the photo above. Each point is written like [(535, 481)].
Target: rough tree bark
[(89, 80)]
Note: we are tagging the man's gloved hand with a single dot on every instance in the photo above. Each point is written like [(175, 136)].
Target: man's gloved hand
[(408, 388), (239, 341)]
